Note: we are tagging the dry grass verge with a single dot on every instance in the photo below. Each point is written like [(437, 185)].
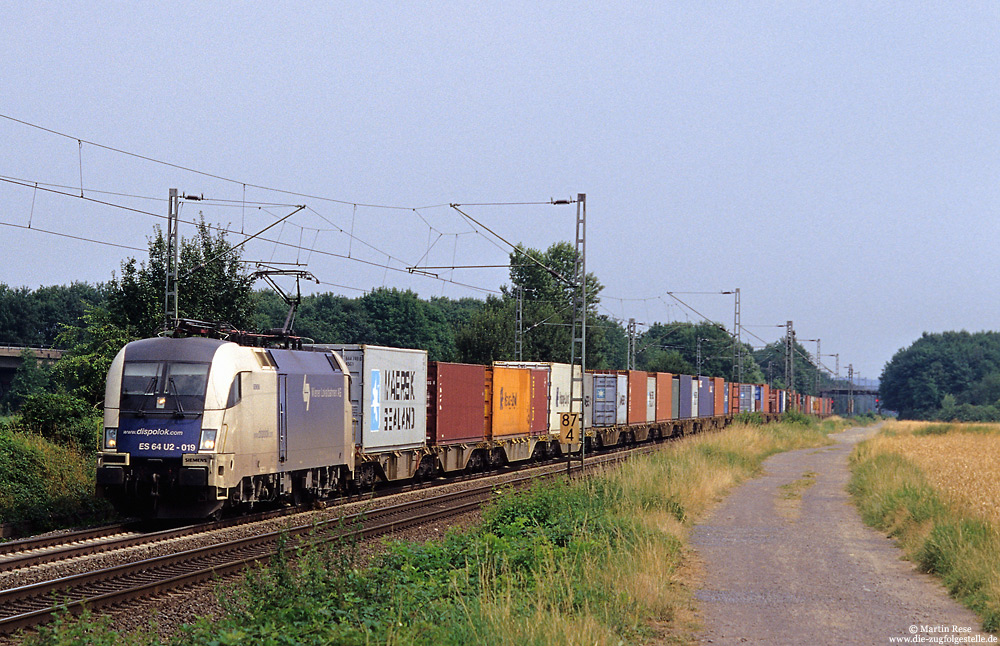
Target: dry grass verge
[(598, 561), (935, 488)]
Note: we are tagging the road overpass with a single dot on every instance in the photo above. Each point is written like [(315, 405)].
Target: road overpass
[(10, 361)]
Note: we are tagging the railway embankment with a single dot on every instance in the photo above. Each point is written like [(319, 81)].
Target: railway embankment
[(597, 560)]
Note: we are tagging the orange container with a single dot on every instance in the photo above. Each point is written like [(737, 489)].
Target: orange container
[(664, 395), (765, 399), (509, 401), (734, 398), (720, 395), (637, 396)]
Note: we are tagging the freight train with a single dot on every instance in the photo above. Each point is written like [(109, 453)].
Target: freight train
[(194, 426)]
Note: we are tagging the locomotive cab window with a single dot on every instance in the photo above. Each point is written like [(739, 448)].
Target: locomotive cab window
[(164, 386), (140, 378)]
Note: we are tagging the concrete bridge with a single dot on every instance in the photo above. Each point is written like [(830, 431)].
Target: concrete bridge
[(10, 361)]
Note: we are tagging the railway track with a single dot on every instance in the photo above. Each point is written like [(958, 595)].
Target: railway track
[(29, 605)]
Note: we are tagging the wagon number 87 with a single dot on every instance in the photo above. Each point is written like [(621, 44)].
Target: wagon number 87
[(569, 428)]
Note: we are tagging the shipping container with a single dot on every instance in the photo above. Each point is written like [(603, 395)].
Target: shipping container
[(456, 397), (675, 397), (558, 387), (512, 408), (734, 398), (388, 395), (720, 395), (601, 391), (636, 397), (621, 408), (651, 397), (689, 397), (706, 398), (766, 398), (539, 424), (664, 395), (726, 399)]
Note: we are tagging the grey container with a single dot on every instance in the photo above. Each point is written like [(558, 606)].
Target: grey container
[(689, 394), (675, 398), (706, 397), (605, 400), (621, 408)]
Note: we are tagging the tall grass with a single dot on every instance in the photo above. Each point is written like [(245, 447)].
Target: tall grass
[(595, 561), (935, 528)]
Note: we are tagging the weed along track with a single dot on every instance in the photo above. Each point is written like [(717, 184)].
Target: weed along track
[(187, 556), (787, 560), (547, 564)]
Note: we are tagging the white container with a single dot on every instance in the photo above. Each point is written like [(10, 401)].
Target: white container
[(621, 410), (650, 399), (388, 395)]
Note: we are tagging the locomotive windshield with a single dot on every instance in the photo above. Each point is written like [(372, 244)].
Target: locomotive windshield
[(153, 386)]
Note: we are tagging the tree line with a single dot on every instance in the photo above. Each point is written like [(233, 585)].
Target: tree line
[(945, 376), (91, 323)]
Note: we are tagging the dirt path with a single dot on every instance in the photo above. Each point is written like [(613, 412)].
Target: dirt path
[(788, 561)]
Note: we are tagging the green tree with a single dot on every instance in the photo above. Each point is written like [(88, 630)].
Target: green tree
[(544, 280), (771, 359), (674, 347), (214, 284), (91, 347), (488, 336), (918, 378), (33, 317), (30, 378)]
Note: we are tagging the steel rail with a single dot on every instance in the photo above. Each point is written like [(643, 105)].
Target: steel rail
[(32, 604)]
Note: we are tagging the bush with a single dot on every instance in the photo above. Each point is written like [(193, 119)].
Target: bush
[(750, 419), (44, 484), (795, 417), (63, 419)]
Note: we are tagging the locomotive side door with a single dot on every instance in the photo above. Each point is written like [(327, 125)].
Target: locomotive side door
[(282, 418)]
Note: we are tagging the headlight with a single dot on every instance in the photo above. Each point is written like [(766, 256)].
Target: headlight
[(111, 439), (207, 441)]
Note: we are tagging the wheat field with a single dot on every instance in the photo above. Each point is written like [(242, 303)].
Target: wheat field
[(961, 461)]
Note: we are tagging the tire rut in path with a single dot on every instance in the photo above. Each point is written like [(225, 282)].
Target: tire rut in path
[(779, 569)]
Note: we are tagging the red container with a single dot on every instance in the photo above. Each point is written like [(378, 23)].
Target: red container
[(765, 399), (539, 423), (637, 396), (664, 395), (456, 403), (734, 398)]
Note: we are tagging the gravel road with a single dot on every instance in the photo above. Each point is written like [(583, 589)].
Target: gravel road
[(787, 560)]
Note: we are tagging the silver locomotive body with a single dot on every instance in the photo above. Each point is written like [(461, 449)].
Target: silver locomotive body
[(193, 425)]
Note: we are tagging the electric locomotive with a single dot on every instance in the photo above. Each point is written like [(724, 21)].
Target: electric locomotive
[(193, 425)]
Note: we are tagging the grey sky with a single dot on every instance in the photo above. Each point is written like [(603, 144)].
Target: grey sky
[(835, 161)]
